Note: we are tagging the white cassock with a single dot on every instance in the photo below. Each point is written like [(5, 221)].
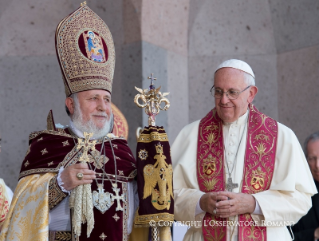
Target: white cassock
[(289, 195)]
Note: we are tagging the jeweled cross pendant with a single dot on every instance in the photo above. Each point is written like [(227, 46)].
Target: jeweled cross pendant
[(230, 185), (117, 197), (87, 145)]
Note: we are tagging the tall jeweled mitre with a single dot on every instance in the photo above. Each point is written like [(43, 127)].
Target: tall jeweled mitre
[(85, 51)]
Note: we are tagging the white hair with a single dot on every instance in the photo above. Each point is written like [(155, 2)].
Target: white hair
[(250, 80), (312, 137), (89, 126)]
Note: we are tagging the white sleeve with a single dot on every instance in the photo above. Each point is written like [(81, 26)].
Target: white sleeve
[(198, 210), (59, 216), (133, 204), (10, 193), (257, 210), (185, 203), (60, 182)]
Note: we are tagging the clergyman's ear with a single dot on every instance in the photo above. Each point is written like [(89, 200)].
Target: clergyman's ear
[(252, 93), (69, 102)]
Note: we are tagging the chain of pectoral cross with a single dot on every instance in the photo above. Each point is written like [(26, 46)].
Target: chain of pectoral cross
[(230, 185)]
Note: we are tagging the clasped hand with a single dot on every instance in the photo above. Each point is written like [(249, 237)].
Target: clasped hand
[(227, 204), (68, 176)]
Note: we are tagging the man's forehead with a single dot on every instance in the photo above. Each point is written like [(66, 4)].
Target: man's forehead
[(102, 93), (229, 75)]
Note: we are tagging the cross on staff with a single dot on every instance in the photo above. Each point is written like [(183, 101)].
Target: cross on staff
[(117, 197), (86, 145), (151, 78)]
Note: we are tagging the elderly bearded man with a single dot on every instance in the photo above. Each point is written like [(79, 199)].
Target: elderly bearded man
[(237, 164), (51, 169)]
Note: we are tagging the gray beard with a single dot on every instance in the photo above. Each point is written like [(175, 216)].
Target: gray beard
[(89, 126)]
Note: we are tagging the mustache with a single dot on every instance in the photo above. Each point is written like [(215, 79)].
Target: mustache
[(100, 114), (225, 105)]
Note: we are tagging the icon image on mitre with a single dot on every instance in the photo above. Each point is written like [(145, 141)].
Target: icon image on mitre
[(94, 46)]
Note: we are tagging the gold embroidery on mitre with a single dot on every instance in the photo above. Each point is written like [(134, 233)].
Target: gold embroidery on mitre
[(161, 174), (258, 179), (86, 52)]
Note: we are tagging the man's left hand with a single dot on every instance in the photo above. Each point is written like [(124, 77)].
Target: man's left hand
[(239, 203)]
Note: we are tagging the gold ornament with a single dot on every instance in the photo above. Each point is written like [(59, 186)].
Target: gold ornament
[(161, 174), (86, 145), (152, 99)]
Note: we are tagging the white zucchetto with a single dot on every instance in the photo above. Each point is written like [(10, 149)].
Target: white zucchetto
[(236, 64)]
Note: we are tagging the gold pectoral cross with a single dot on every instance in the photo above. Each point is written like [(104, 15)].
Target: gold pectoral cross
[(86, 145)]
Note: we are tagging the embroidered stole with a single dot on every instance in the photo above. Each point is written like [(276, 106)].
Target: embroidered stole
[(258, 170)]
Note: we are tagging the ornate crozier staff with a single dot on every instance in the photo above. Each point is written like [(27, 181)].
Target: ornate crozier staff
[(154, 168)]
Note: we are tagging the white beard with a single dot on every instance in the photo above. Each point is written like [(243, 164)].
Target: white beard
[(89, 126)]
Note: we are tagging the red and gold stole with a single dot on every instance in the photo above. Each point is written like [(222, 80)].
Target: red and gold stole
[(257, 174)]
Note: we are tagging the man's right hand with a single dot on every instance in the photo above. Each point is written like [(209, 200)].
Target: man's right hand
[(70, 180), (208, 201)]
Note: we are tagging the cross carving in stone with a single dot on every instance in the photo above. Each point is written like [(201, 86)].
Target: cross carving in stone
[(86, 145), (230, 185), (152, 78), (117, 197)]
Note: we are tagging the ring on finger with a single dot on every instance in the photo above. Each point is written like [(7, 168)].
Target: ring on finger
[(215, 211), (79, 175)]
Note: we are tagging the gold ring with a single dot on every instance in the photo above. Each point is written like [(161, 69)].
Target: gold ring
[(79, 175)]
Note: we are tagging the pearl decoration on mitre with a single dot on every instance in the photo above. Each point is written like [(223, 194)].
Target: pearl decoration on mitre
[(236, 64)]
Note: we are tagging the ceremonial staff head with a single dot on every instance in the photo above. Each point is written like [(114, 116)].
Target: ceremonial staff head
[(234, 89), (151, 100)]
